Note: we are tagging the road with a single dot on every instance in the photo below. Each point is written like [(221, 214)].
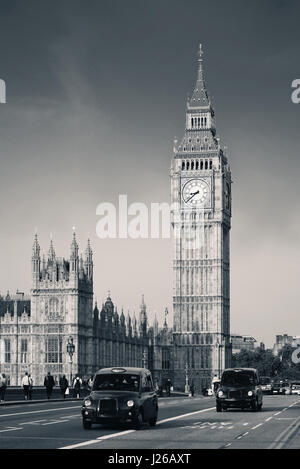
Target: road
[(184, 423)]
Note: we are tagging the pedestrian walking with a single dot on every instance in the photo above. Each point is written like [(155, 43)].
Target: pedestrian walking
[(192, 389), (90, 382), (63, 384), (77, 386), (30, 387), (168, 387), (3, 386), (26, 384), (49, 384)]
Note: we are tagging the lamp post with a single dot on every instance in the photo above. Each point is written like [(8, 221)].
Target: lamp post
[(187, 388), (144, 358), (70, 350)]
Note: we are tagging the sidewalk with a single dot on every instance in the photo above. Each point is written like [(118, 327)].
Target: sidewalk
[(74, 399)]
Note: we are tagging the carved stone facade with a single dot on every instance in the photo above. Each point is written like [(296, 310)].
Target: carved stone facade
[(201, 194), (35, 330)]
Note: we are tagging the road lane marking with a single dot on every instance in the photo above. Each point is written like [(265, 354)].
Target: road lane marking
[(56, 421), (33, 422), (11, 429), (277, 413), (284, 436), (114, 435), (39, 411), (184, 415), (256, 426), (269, 418)]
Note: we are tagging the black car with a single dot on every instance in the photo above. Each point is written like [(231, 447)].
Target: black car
[(124, 395), (240, 387), (266, 384)]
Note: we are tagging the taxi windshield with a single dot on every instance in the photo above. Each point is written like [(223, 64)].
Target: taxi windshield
[(238, 378), (116, 382)]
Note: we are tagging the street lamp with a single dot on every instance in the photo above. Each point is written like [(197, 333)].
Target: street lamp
[(144, 359), (187, 388), (70, 350)]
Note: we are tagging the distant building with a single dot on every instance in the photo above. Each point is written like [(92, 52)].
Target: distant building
[(281, 341), (35, 330), (284, 339), (242, 342)]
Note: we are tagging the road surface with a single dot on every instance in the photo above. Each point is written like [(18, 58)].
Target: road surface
[(184, 423)]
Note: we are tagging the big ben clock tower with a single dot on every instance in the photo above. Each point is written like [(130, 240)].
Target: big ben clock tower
[(201, 215)]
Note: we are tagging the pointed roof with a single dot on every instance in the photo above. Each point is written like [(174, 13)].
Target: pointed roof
[(51, 252), (88, 251), (36, 247), (74, 245), (199, 97)]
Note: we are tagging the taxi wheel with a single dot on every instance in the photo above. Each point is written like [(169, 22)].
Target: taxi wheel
[(86, 425), (254, 406), (152, 422), (139, 421)]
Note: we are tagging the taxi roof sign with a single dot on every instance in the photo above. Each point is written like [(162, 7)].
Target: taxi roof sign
[(118, 370)]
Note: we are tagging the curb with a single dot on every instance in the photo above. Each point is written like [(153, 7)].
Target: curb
[(74, 399)]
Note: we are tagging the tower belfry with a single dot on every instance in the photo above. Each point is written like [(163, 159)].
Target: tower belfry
[(201, 191)]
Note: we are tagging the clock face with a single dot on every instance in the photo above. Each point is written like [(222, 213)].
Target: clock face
[(195, 192)]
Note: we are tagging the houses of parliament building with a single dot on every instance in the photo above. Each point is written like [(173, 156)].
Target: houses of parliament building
[(35, 331)]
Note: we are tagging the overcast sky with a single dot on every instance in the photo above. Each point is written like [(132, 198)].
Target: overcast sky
[(96, 92)]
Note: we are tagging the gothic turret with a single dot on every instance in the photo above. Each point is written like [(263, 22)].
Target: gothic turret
[(35, 261), (74, 258), (89, 261), (143, 318), (51, 253)]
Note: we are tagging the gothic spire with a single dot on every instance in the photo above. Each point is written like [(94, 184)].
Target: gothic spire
[(199, 97), (51, 252), (36, 248)]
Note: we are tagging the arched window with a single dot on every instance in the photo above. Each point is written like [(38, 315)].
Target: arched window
[(187, 165), (192, 121), (192, 165), (183, 166), (206, 164), (197, 164), (201, 164), (210, 164)]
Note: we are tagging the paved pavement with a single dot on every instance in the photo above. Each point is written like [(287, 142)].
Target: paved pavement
[(184, 423)]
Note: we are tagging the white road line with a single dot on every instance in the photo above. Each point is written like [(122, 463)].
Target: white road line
[(33, 422), (39, 411), (56, 421), (256, 426), (184, 415), (114, 435), (269, 418), (245, 423), (11, 429), (277, 413)]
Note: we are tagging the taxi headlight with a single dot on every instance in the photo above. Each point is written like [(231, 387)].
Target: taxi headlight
[(130, 403), (220, 394), (87, 402), (250, 393)]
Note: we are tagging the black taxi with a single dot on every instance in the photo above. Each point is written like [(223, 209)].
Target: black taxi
[(124, 395), (239, 387)]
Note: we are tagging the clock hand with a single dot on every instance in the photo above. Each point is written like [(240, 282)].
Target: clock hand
[(193, 195)]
